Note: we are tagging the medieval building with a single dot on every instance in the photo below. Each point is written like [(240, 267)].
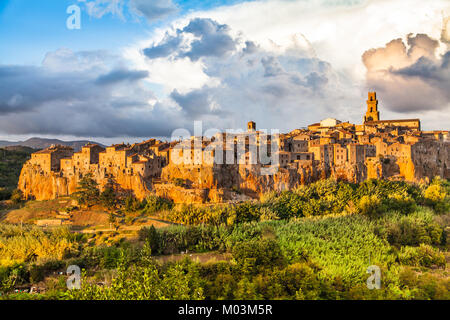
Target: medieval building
[(214, 168)]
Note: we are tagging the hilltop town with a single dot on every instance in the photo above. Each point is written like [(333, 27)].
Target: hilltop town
[(229, 167)]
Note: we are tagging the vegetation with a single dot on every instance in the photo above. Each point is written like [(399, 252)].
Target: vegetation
[(312, 258), (315, 242), (87, 193), (11, 163)]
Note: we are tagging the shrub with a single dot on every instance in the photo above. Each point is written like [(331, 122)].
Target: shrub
[(255, 255), (132, 204), (155, 204), (370, 205), (402, 203), (32, 244), (436, 195), (413, 230), (16, 196), (424, 255), (152, 238)]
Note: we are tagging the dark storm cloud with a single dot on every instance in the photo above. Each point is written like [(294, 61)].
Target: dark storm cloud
[(26, 88), (428, 69), (197, 103), (165, 48), (410, 77), (121, 75), (212, 40), (43, 100), (93, 94), (277, 91)]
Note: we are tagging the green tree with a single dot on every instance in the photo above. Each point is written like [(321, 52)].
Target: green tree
[(17, 196), (87, 193), (108, 197)]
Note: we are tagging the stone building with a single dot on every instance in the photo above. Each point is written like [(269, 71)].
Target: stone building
[(50, 159), (212, 167), (372, 117)]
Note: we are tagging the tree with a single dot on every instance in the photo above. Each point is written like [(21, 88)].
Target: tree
[(16, 196), (87, 191), (113, 221), (108, 197)]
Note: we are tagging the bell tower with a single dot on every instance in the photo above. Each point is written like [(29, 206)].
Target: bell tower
[(251, 126), (372, 113)]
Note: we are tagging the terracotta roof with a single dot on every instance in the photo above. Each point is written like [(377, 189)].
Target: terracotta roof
[(389, 121), (53, 149), (91, 145)]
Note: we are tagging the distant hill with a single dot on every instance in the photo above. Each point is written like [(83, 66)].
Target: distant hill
[(11, 162), (19, 149), (41, 143)]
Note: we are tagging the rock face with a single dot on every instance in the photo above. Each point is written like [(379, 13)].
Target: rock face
[(425, 161), (221, 181), (215, 183), (218, 183), (40, 185)]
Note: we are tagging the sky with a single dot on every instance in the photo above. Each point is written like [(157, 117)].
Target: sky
[(143, 68)]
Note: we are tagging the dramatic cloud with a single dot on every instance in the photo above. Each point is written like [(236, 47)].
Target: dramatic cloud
[(116, 76), (101, 101), (283, 64), (169, 45), (198, 103), (277, 88), (208, 39), (411, 77)]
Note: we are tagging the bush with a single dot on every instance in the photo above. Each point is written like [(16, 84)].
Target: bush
[(32, 244), (402, 203), (370, 205), (424, 255), (436, 195), (39, 272), (155, 204), (152, 238), (132, 204), (175, 239), (412, 230), (17, 196), (252, 256)]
